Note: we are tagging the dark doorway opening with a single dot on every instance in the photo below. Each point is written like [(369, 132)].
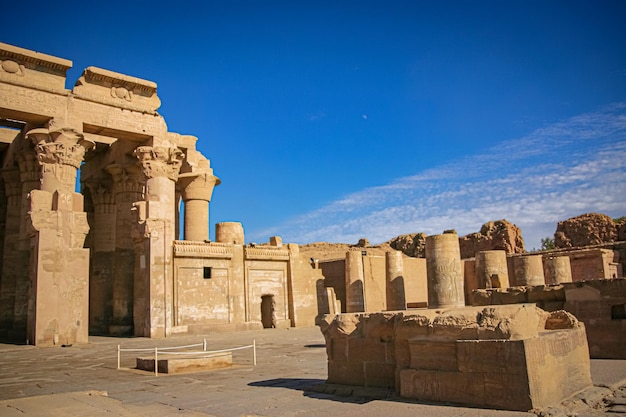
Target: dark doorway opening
[(268, 311)]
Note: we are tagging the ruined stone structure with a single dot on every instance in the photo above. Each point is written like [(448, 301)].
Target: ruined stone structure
[(106, 259), (507, 357)]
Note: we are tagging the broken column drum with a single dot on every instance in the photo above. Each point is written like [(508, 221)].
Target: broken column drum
[(491, 269), (355, 292), (229, 232), (394, 271), (557, 269), (529, 270), (445, 279)]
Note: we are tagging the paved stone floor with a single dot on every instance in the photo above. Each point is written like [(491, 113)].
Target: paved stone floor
[(287, 381)]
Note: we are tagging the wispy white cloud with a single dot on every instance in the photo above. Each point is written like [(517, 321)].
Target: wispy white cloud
[(556, 172)]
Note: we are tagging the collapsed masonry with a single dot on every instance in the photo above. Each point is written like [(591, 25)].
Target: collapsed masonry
[(106, 259)]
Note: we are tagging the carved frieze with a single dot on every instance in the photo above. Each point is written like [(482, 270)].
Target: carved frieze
[(266, 253), (186, 248)]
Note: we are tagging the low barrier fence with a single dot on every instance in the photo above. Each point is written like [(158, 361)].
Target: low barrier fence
[(164, 351)]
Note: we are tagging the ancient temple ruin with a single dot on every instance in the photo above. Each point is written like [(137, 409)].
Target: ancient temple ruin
[(93, 185)]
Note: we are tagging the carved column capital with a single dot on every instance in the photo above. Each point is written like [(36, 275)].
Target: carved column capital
[(127, 180), (198, 186), (60, 152), (160, 161)]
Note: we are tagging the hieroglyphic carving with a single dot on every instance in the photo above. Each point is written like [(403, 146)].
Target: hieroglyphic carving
[(198, 249)]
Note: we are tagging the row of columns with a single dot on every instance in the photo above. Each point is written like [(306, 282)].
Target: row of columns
[(445, 275), (45, 229)]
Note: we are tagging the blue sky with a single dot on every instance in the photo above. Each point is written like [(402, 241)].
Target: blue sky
[(336, 120)]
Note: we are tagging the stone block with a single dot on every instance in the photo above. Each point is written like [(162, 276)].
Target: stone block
[(379, 374), (173, 365), (495, 356), (433, 354), (346, 373), (366, 349)]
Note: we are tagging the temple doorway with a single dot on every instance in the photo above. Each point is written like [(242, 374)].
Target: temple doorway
[(268, 311)]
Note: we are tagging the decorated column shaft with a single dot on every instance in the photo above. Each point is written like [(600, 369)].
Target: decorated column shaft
[(557, 269), (10, 268), (445, 278), (529, 270), (59, 290), (394, 271), (128, 188), (154, 312), (491, 269), (102, 265)]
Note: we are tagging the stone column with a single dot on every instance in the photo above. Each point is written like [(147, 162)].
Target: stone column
[(197, 190), (10, 269), (355, 291), (30, 180), (557, 269), (491, 269), (128, 187), (58, 311), (394, 271), (445, 278), (529, 270), (154, 310), (102, 256)]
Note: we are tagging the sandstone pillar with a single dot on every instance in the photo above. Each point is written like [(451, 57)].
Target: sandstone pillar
[(10, 270), (529, 270), (355, 291), (445, 278), (557, 269), (196, 192), (128, 187), (102, 257), (491, 269), (58, 311), (394, 272), (154, 310), (232, 233)]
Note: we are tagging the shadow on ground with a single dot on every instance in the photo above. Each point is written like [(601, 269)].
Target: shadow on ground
[(318, 388)]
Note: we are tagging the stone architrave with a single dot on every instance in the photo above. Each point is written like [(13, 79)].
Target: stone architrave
[(445, 278), (355, 291), (529, 270), (154, 310), (197, 190), (58, 311), (491, 269), (394, 271)]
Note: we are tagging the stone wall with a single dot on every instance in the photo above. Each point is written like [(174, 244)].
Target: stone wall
[(597, 303), (507, 357)]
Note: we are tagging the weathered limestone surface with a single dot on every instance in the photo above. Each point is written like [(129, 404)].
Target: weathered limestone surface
[(586, 230), (599, 304), (508, 357)]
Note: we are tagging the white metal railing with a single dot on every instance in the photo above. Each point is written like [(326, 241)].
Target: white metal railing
[(204, 353)]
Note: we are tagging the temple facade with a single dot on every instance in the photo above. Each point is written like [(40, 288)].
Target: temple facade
[(93, 185)]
